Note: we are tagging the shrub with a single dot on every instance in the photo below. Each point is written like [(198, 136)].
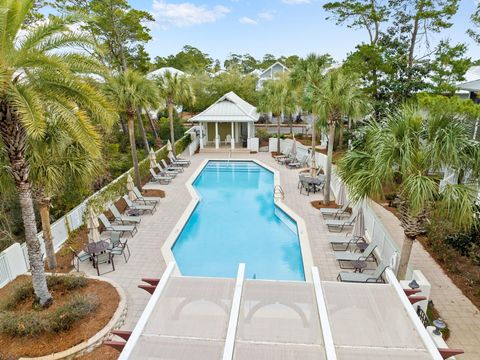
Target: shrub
[(68, 282), (24, 324), (77, 308), (20, 293)]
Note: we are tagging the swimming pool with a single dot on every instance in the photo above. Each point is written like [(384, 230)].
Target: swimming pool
[(236, 221)]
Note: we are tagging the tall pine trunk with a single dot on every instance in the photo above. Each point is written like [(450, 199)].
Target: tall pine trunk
[(142, 130), (14, 139), (172, 128), (313, 160), (328, 170), (133, 147), (278, 134), (44, 208), (405, 257), (152, 125)]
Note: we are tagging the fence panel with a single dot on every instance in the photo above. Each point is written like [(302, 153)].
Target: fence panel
[(4, 271)]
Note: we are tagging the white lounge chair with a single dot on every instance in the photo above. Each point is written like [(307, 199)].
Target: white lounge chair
[(161, 179), (178, 161), (132, 229), (152, 208), (338, 212), (347, 256), (376, 277), (166, 166), (345, 240), (340, 225), (163, 171), (145, 199), (123, 218)]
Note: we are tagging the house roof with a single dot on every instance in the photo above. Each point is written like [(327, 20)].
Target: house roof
[(160, 72), (472, 79), (270, 68), (229, 108)]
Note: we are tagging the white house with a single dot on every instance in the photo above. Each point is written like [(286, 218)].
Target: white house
[(160, 72), (270, 73), (229, 122)]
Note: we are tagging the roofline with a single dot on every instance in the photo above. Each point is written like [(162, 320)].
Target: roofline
[(275, 63)]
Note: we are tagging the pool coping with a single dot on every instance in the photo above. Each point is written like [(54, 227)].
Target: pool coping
[(305, 250)]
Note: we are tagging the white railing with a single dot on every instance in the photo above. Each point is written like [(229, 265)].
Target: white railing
[(18, 258)]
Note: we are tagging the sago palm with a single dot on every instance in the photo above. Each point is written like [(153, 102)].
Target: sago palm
[(175, 89), (36, 79), (128, 90), (405, 152), (306, 78), (338, 95)]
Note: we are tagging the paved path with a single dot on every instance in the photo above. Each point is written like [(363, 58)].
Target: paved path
[(146, 259), (462, 316)]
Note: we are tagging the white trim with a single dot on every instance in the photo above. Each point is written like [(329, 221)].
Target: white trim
[(422, 332), (323, 315), (234, 314), (137, 331), (307, 258)]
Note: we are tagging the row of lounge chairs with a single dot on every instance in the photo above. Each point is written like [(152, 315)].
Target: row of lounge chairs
[(291, 161), (164, 173)]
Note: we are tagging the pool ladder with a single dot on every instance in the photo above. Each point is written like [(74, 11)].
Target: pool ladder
[(278, 192)]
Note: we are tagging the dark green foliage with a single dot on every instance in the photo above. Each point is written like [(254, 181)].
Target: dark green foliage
[(189, 59), (465, 243), (164, 128), (78, 307)]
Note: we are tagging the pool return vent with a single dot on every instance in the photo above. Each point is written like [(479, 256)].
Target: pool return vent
[(278, 192)]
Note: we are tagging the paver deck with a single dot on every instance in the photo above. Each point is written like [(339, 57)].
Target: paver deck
[(146, 259)]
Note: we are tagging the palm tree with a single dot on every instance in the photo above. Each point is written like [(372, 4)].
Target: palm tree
[(37, 80), (406, 151), (128, 90), (272, 99), (306, 77), (338, 95), (175, 90), (54, 160)]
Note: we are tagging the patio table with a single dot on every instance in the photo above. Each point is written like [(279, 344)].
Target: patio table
[(359, 265), (362, 245), (96, 247)]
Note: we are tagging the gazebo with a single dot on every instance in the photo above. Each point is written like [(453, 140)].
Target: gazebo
[(229, 122)]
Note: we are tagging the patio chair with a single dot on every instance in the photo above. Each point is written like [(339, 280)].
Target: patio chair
[(103, 258), (150, 207), (79, 257), (178, 161), (344, 240), (295, 164), (282, 156), (347, 256), (170, 173), (376, 277), (132, 229), (340, 225), (170, 167), (228, 139), (124, 219), (145, 199), (338, 212), (305, 186), (119, 246), (161, 179)]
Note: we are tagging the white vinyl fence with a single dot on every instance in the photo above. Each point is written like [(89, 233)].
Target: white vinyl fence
[(387, 249), (14, 260)]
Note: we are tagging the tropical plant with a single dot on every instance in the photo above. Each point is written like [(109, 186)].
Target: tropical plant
[(54, 160), (36, 80), (307, 77), (175, 90), (407, 152), (272, 99), (338, 95), (128, 90)]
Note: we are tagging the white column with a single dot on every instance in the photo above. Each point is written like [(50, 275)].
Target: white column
[(201, 135), (217, 137), (233, 135), (249, 135)]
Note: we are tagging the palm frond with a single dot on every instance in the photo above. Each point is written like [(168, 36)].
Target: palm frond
[(457, 204)]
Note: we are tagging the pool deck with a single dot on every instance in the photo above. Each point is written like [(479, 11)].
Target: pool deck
[(147, 261)]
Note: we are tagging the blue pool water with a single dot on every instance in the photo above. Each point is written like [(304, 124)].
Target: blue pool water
[(237, 221)]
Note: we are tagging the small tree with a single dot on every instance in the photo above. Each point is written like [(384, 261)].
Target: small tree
[(338, 95), (406, 152), (175, 90)]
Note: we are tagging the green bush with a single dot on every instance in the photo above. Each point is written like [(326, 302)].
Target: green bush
[(77, 308), (19, 294), (463, 242), (68, 282), (33, 323)]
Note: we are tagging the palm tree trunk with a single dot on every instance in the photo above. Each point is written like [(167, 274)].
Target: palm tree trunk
[(122, 124), (313, 163), (291, 124), (278, 134), (340, 137), (152, 125), (172, 129), (133, 147), (14, 139), (44, 208), (404, 257), (142, 130), (328, 170)]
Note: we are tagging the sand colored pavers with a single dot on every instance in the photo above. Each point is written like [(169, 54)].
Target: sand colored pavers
[(147, 261)]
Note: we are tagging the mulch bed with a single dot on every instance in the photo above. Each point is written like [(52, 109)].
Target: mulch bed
[(103, 352), (318, 204), (108, 299)]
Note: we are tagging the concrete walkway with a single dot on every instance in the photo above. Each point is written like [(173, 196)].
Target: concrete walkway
[(147, 261)]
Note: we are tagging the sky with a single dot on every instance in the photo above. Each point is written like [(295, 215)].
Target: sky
[(279, 27)]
